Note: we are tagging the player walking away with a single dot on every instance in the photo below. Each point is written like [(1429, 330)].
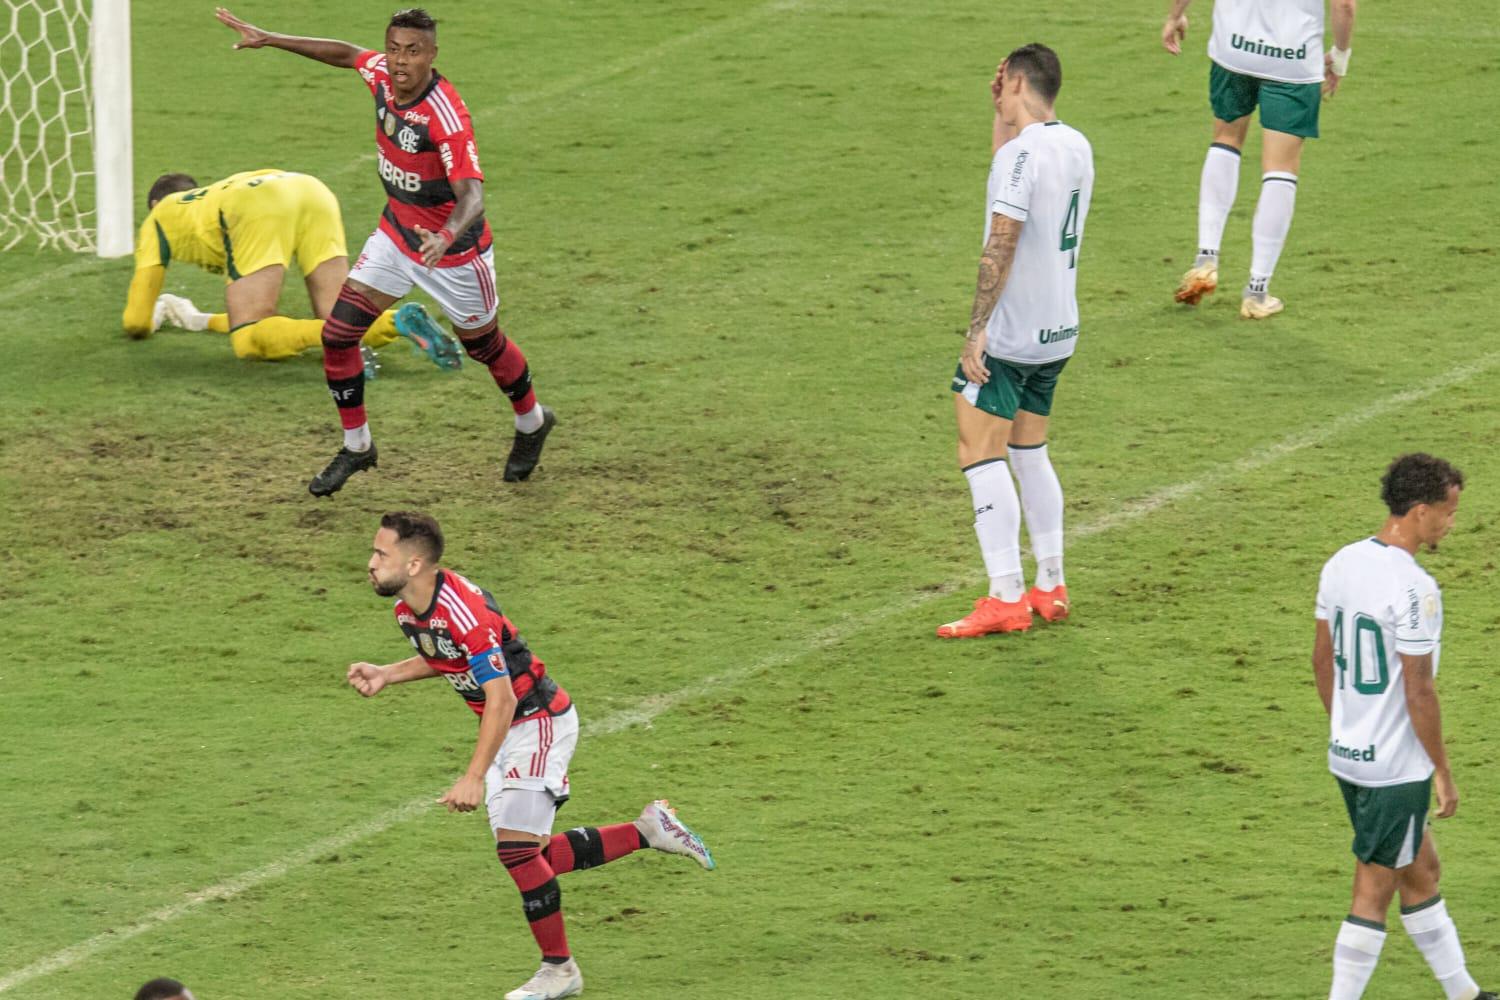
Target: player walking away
[(1379, 628), (249, 227), (432, 234), (1266, 54), (163, 989), (528, 729), (1022, 331)]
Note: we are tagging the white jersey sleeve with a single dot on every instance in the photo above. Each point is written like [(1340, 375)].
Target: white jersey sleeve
[(1014, 171), (1321, 605), (1419, 617)]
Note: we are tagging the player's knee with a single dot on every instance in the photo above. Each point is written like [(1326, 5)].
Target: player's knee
[(486, 347)]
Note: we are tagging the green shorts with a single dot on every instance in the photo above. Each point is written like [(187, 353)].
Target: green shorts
[(1388, 822), (1284, 107), (1012, 387)]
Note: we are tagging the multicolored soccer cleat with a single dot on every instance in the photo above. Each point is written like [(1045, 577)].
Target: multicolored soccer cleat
[(1052, 604), (990, 615), (1199, 281), (427, 338), (1259, 305), (553, 981), (665, 832)]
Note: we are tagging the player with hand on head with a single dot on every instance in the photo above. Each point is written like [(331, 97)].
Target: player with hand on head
[(1022, 330), (528, 730), (432, 234), (1267, 54), (249, 227), (1375, 660)]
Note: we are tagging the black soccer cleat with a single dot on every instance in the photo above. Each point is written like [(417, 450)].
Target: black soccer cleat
[(345, 464), (1485, 995), (527, 449)]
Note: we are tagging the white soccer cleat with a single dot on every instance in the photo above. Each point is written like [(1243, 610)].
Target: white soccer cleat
[(550, 982), (1259, 305), (158, 313), (181, 312), (665, 832)]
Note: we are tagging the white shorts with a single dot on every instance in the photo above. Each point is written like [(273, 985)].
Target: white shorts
[(466, 291), (533, 759)]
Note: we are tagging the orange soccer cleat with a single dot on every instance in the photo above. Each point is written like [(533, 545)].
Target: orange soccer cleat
[(1052, 604), (1200, 280), (990, 614)]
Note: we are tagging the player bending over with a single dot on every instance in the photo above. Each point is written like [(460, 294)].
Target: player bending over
[(1266, 54), (1375, 658), (528, 729), (249, 227), (1022, 331), (432, 234)]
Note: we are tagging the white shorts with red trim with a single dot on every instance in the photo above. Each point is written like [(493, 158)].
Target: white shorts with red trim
[(465, 291), (533, 758)]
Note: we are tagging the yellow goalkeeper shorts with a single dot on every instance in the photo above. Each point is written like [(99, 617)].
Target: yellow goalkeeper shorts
[(277, 218)]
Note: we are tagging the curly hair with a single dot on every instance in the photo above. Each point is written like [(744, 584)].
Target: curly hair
[(1417, 478)]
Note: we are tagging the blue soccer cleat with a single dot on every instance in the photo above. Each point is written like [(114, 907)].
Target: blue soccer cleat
[(429, 339)]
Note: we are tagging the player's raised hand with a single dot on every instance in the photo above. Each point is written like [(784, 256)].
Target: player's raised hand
[(434, 245), (1447, 793), (251, 37), (1173, 31), (465, 795), (366, 678), (995, 83)]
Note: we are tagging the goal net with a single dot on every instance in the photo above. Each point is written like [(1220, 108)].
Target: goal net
[(65, 153)]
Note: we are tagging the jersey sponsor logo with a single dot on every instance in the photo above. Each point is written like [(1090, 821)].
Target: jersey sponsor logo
[(1015, 172), (406, 619), (447, 155), (1056, 336), (407, 139), (416, 117), (473, 154), (437, 622), (463, 682), (1261, 48), (406, 180), (1414, 609), (1364, 755)]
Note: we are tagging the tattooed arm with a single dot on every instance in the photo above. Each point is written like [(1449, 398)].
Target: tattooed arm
[(994, 271)]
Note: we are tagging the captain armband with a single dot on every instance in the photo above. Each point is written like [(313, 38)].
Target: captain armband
[(488, 665)]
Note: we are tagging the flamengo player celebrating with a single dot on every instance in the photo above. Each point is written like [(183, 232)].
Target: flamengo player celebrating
[(432, 234), (1022, 331), (1375, 656), (528, 730)]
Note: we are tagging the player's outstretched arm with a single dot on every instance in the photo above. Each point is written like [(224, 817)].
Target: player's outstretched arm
[(324, 50), (369, 678), (1426, 720), (1174, 28)]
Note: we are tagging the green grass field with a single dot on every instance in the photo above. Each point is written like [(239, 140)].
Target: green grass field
[(736, 241)]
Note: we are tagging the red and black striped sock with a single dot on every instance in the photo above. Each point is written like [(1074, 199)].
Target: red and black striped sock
[(507, 365), (342, 366), (541, 897), (591, 846)]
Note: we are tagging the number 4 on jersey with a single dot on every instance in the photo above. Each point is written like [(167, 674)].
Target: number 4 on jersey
[(1371, 677), (1069, 242)]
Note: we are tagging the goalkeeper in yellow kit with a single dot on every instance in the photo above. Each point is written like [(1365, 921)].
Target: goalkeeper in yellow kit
[(249, 227)]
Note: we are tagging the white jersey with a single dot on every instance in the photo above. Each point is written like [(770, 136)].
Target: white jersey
[(1378, 604), (1043, 177), (1278, 40)]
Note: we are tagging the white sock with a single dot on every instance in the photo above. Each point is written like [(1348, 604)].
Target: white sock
[(1273, 219), (531, 421), (997, 522), (1216, 190), (1354, 956), (1432, 931), (1042, 502), (358, 439)]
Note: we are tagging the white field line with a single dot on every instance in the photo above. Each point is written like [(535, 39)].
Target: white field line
[(650, 708)]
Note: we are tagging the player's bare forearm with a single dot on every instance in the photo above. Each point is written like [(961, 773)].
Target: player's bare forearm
[(1422, 706), (1322, 662), (994, 270), (140, 301), (1179, 8), (499, 709), (324, 50), (468, 205), (1343, 23), (413, 668)]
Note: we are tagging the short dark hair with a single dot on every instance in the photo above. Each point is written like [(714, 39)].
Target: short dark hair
[(411, 524), (1417, 478), (414, 17), (169, 184), (160, 989), (1041, 68)]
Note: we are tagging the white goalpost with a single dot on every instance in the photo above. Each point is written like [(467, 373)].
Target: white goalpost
[(65, 138)]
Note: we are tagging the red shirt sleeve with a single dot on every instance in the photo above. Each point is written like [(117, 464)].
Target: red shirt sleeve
[(456, 147), (371, 67)]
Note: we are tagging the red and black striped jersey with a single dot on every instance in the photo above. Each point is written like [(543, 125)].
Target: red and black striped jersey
[(465, 637), (423, 146)]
